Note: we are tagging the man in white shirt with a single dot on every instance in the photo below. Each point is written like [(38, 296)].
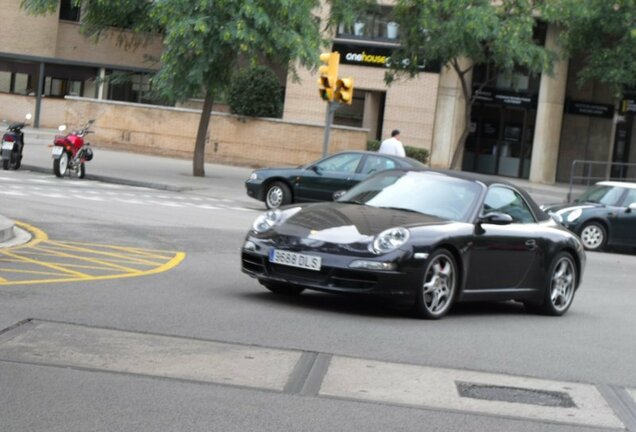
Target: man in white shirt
[(392, 145)]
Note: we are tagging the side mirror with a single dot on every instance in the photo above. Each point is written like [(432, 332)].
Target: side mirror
[(91, 121), (61, 128), (631, 207), (28, 116), (496, 218), (338, 194), (315, 168)]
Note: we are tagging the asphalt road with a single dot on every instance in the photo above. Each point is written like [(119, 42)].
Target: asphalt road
[(206, 298)]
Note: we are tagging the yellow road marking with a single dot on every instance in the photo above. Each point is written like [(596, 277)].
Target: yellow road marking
[(149, 252), (94, 261), (27, 272), (109, 255), (45, 264)]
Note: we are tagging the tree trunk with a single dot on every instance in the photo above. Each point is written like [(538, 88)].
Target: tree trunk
[(198, 162)]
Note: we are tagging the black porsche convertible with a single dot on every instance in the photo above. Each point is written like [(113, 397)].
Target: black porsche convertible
[(420, 238)]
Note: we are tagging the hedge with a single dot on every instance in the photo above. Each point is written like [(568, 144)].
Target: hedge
[(420, 154)]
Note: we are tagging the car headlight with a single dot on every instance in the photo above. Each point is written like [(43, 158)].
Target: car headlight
[(390, 239), (574, 215), (266, 221), (254, 175)]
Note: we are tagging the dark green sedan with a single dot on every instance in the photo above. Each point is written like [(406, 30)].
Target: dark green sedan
[(318, 180)]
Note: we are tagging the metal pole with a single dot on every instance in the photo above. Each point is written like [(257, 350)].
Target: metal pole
[(331, 109), (38, 97)]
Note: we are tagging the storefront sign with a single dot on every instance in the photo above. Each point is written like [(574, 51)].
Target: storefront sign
[(628, 105), (373, 56), (590, 109), (506, 98)]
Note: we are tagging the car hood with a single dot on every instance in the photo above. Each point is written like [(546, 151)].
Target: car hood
[(348, 223), (568, 207)]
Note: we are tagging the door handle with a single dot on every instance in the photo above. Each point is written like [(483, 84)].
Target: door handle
[(531, 244)]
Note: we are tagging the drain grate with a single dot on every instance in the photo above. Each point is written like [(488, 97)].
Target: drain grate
[(515, 395)]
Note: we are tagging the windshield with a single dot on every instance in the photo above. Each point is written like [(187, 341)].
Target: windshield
[(602, 194), (423, 192)]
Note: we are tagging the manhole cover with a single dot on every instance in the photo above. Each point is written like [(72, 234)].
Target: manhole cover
[(515, 394)]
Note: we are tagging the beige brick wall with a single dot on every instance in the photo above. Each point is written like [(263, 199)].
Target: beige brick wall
[(14, 107), (25, 34), (73, 46), (409, 107), (47, 36), (232, 139)]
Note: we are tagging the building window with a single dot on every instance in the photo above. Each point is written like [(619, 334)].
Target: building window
[(60, 87), (375, 24), (15, 83), (69, 12)]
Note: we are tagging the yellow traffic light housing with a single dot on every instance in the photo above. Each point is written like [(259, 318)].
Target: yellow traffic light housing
[(328, 75), (344, 90)]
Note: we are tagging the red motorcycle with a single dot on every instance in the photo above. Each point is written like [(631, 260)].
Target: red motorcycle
[(70, 151)]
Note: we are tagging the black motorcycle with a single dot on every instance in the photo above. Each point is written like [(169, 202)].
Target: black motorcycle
[(13, 144)]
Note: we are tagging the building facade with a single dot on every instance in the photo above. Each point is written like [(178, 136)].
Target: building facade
[(44, 58), (521, 126)]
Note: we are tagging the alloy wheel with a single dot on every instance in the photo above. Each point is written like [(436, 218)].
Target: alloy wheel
[(592, 236), (562, 284), (439, 284), (274, 197)]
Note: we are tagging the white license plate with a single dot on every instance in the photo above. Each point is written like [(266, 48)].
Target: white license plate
[(294, 259), (7, 145), (57, 150)]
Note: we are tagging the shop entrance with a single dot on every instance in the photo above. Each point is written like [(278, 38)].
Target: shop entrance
[(500, 141)]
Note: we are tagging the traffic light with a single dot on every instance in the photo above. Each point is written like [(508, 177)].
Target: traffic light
[(328, 75), (344, 90)]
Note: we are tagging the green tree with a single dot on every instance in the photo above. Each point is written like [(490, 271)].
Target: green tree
[(499, 34), (205, 39), (602, 33), (256, 92)]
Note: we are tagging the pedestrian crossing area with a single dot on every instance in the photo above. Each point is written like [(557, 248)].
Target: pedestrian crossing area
[(36, 186)]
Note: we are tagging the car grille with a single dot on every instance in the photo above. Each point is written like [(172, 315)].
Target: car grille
[(327, 277)]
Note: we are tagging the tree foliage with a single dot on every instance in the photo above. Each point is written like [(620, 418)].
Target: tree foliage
[(205, 39), (602, 33), (499, 34), (255, 92)]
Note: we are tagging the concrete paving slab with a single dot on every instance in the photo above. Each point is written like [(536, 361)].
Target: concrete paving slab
[(91, 348), (632, 393), (437, 388)]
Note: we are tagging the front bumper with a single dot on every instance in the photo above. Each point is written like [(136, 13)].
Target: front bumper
[(336, 276), (254, 189)]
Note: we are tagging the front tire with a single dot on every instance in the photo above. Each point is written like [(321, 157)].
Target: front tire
[(16, 160), (81, 171), (277, 194), (439, 286), (560, 287), (594, 236), (283, 289), (60, 165)]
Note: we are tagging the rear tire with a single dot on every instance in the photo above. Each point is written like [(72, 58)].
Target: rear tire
[(283, 289), (5, 164), (560, 287), (60, 165)]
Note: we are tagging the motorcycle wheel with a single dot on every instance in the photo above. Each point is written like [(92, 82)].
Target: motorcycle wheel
[(81, 171), (60, 165), (16, 160)]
